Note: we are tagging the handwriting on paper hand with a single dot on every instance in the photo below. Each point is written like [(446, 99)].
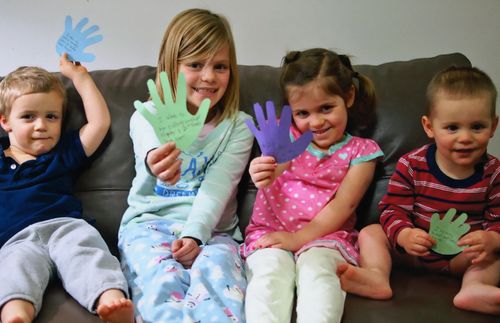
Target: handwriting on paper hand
[(171, 119), (74, 41), (446, 232)]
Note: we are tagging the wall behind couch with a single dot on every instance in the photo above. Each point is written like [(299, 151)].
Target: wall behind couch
[(373, 32)]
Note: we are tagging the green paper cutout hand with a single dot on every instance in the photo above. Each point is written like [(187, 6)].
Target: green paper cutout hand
[(171, 120), (446, 232)]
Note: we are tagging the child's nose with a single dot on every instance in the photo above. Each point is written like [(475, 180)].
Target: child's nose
[(316, 122), (465, 136), (40, 124), (208, 75)]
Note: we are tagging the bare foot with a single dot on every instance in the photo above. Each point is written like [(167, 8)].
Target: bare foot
[(479, 298), (117, 311), (17, 319), (364, 282), (17, 311)]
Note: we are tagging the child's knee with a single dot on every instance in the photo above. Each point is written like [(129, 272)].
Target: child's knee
[(270, 262), (319, 255), (372, 232), (319, 261)]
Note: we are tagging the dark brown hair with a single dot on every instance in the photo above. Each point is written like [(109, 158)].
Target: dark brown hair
[(337, 76)]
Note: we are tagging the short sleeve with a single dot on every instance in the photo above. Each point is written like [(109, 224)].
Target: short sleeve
[(71, 152), (365, 150)]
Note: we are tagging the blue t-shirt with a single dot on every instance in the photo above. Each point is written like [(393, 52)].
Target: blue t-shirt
[(39, 189)]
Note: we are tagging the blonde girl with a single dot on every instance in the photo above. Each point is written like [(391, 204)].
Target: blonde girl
[(176, 237)]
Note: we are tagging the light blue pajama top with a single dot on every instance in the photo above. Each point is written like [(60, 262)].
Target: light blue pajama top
[(204, 198)]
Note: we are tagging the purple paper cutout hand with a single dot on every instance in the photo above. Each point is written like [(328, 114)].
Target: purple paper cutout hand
[(273, 136)]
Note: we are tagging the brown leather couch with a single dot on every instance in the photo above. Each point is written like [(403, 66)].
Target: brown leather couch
[(103, 188)]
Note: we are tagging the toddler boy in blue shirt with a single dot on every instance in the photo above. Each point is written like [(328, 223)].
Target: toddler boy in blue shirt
[(42, 232)]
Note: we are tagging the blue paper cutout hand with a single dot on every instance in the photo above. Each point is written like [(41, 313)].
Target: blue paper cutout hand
[(273, 136), (74, 41)]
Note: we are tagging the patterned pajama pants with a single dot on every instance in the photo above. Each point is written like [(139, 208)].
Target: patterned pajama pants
[(163, 290)]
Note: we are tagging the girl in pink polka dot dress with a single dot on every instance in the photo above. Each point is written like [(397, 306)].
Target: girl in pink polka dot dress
[(303, 223)]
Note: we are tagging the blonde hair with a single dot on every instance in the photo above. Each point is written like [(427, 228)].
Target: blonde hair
[(199, 34), (27, 80)]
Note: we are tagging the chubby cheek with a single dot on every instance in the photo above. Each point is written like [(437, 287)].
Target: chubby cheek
[(300, 124)]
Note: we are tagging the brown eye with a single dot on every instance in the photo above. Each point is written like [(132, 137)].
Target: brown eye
[(478, 126), (27, 117), (195, 65), (221, 67), (326, 108)]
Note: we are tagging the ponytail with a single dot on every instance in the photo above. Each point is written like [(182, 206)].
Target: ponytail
[(363, 114)]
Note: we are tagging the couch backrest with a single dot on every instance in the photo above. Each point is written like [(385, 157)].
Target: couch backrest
[(103, 188)]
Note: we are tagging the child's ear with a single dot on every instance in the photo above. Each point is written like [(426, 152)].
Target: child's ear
[(494, 126), (350, 99), (5, 123), (427, 125)]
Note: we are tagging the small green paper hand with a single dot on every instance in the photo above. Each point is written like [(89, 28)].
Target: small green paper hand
[(447, 232), (171, 120)]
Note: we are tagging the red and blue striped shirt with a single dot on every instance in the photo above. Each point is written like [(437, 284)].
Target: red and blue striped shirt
[(418, 188)]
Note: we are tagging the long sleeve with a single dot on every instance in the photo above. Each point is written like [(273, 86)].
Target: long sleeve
[(418, 189), (215, 203), (492, 213), (397, 205)]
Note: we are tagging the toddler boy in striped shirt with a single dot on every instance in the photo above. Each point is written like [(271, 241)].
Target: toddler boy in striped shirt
[(455, 171)]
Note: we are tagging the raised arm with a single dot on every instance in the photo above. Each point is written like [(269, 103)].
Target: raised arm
[(96, 109)]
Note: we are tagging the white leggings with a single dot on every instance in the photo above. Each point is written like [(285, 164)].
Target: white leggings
[(272, 275)]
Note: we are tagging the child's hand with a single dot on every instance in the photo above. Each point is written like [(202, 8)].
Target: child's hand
[(69, 69), (164, 163), (185, 251), (262, 170), (481, 244), (279, 239), (416, 242)]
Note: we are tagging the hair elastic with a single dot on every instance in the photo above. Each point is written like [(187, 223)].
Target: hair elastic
[(291, 57)]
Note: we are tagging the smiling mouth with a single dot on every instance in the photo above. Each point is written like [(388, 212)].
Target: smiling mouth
[(320, 132), (205, 90)]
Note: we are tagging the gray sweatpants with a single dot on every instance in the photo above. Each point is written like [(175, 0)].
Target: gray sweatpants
[(68, 247)]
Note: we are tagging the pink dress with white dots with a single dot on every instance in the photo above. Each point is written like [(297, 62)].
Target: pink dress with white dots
[(298, 194)]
